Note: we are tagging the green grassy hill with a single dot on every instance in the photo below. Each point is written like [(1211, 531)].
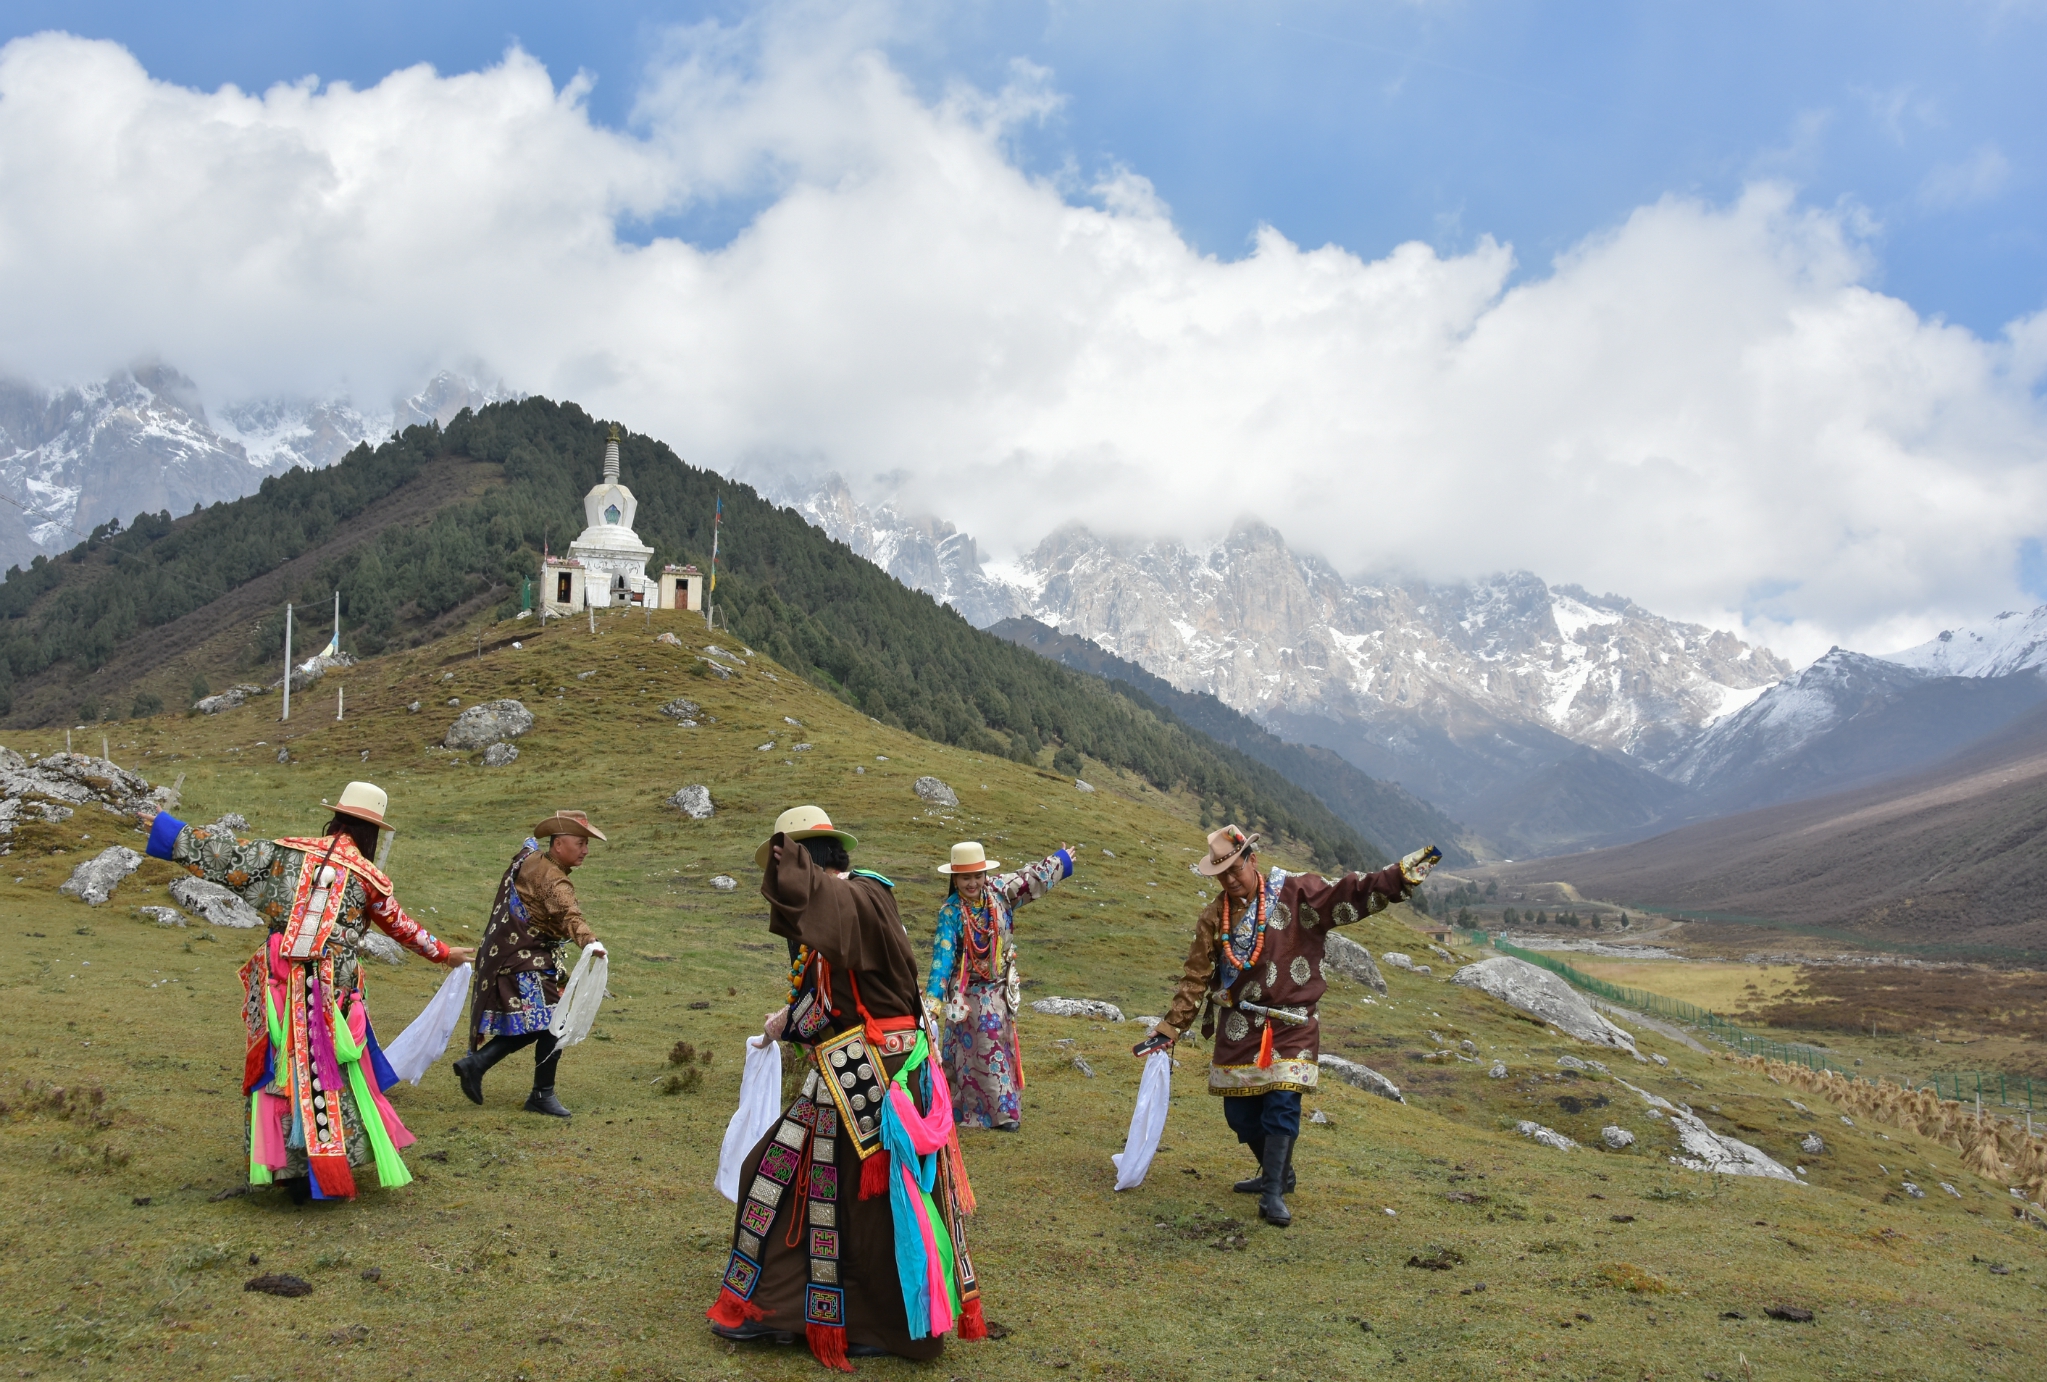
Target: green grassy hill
[(531, 1249)]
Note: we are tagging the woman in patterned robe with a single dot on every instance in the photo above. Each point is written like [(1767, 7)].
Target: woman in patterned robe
[(314, 1076), (973, 987)]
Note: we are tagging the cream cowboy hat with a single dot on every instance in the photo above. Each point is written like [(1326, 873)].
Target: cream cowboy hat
[(1225, 847), (969, 857), (366, 801), (802, 823), (564, 822)]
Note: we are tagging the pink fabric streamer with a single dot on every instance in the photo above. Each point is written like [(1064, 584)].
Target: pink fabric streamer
[(358, 1032), (928, 1131), (271, 1115)]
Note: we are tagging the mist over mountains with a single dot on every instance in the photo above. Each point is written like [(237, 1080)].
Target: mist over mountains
[(142, 441), (1545, 718)]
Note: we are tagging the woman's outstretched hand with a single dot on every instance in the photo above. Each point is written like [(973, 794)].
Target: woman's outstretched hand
[(772, 1025)]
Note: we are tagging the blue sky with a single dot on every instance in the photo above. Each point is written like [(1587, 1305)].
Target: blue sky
[(1360, 124)]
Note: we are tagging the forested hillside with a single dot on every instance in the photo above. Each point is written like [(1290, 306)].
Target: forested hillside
[(785, 588)]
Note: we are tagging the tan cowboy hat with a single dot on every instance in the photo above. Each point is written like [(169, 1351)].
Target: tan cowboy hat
[(802, 823), (366, 801), (1225, 847), (969, 857), (565, 822)]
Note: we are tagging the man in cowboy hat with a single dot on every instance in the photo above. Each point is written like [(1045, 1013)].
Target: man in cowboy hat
[(314, 1077), (519, 969), (815, 1249), (1257, 959)]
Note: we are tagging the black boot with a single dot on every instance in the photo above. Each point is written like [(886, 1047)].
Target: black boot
[(1252, 1185), (545, 1060), (1271, 1207), (471, 1068)]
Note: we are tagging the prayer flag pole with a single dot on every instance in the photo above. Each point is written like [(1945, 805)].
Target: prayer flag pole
[(717, 517), (287, 663)]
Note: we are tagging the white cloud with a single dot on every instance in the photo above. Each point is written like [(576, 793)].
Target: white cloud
[(1704, 407), (1977, 178)]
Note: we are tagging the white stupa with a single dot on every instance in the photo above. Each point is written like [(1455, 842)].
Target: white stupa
[(607, 565)]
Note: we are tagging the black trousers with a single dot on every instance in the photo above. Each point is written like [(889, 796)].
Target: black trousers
[(546, 1056), (1255, 1117)]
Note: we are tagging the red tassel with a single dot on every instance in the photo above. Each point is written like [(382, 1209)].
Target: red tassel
[(1265, 1049), (828, 1343), (874, 1176), (732, 1312), (332, 1173), (973, 1325)]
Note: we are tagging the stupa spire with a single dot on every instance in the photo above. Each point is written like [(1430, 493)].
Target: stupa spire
[(611, 457)]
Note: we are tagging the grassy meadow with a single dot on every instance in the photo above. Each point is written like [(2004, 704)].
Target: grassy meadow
[(1430, 1240)]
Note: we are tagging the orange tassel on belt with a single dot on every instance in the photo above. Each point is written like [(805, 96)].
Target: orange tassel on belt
[(1265, 1049)]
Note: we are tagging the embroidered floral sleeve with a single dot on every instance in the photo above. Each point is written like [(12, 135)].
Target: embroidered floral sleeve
[(1321, 902), (945, 945), (218, 857), (391, 919), (1033, 881)]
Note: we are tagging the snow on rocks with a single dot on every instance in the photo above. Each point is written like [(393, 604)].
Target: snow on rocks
[(682, 708), (1538, 992), (489, 723), (1708, 1150), (219, 905), (499, 755), (1078, 1007), (94, 881), (693, 801), (1361, 1076), (1548, 1137), (1352, 960), (935, 792), (1616, 1137)]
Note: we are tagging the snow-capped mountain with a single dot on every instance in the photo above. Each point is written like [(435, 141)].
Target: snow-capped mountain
[(2012, 642), (142, 441)]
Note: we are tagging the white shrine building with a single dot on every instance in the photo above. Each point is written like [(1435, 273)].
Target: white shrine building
[(607, 565)]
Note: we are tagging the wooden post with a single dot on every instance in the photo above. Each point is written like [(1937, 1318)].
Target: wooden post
[(287, 664), (338, 692)]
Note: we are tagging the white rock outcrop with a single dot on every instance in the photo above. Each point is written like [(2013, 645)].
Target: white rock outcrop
[(725, 883), (935, 792), (1398, 959), (1539, 993), (163, 916), (1616, 1136), (693, 801), (500, 755), (1548, 1137), (1352, 960), (94, 881), (492, 722), (1361, 1076), (681, 708), (1078, 1007), (1711, 1151), (217, 904)]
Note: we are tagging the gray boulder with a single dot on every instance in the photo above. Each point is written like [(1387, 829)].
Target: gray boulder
[(94, 881), (1398, 960), (1353, 961), (1080, 786), (233, 823), (1362, 1076), (681, 708), (935, 792), (725, 883), (1548, 1137), (1499, 1070), (693, 801), (500, 755), (1078, 1007), (1616, 1137), (1539, 993), (219, 905), (1812, 1144), (1708, 1150), (489, 723), (227, 700), (163, 916)]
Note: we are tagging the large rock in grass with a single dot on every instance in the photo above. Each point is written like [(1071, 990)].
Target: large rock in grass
[(1539, 993), (693, 801), (935, 792), (1362, 1076), (221, 906), (94, 881), (1078, 1007), (492, 722), (1353, 961)]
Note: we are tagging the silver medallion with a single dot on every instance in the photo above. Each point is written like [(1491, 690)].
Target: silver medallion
[(1235, 1028), (1298, 971)]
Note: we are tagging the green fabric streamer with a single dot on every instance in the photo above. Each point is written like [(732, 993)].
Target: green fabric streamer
[(391, 1170), (259, 1174)]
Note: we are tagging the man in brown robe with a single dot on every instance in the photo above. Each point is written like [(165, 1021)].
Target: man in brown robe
[(813, 1241), (1257, 959), (519, 967)]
